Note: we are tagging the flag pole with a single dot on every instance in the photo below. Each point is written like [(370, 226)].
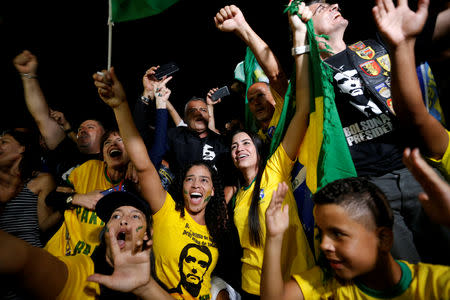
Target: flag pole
[(110, 25)]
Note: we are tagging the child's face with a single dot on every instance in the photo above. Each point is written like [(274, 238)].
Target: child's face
[(350, 247)]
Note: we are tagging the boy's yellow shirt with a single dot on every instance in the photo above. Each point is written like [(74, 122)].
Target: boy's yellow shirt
[(419, 281)]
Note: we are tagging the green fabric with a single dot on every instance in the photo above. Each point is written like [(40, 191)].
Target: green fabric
[(335, 161), (250, 63), (252, 75), (127, 10), (395, 291)]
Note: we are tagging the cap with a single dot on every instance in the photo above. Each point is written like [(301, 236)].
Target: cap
[(110, 202), (258, 74)]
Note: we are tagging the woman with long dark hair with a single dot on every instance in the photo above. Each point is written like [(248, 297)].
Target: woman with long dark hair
[(190, 221), (258, 180)]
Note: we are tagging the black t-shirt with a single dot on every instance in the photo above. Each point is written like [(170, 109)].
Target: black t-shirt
[(185, 146), (369, 127)]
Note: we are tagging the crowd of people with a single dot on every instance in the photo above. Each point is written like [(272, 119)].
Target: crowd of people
[(153, 210)]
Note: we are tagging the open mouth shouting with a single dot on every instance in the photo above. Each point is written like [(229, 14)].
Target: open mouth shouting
[(196, 197), (337, 16), (115, 153), (121, 238)]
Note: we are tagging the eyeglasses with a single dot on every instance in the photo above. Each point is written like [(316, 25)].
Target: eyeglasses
[(194, 109)]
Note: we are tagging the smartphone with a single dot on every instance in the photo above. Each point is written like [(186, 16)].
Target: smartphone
[(166, 70), (220, 93), (117, 188)]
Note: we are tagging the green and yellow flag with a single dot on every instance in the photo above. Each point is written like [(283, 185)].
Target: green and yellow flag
[(127, 10), (324, 151)]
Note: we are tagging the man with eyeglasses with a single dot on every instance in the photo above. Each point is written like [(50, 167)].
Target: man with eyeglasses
[(361, 73)]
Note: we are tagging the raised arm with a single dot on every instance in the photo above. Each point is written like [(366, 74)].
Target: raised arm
[(145, 104), (174, 114), (299, 122), (231, 19), (113, 94), (277, 221), (37, 271), (400, 26), (211, 103), (65, 125), (26, 64), (158, 148), (436, 198)]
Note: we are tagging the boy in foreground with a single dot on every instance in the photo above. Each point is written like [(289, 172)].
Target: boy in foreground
[(355, 226)]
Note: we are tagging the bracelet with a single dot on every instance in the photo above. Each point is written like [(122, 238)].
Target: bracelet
[(28, 75), (300, 50)]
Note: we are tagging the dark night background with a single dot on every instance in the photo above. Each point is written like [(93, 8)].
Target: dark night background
[(70, 39)]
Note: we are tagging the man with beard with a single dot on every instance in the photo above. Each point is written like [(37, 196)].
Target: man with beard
[(196, 141), (193, 264)]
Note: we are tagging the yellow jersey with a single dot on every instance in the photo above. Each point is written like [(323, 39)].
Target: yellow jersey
[(267, 134), (296, 254), (185, 255), (79, 267), (79, 233), (419, 281)]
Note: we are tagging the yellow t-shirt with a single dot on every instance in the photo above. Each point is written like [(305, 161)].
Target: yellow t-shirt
[(419, 281), (266, 135), (81, 225), (79, 267), (444, 164), (185, 255), (296, 255)]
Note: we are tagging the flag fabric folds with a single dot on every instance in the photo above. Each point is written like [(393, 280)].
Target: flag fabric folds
[(324, 150), (127, 10)]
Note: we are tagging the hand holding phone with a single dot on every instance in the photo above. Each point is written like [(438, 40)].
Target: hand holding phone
[(220, 93), (166, 70)]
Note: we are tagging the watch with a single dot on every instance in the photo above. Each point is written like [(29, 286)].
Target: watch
[(69, 200)]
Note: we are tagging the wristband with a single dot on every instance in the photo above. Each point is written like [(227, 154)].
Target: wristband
[(300, 50), (28, 75)]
